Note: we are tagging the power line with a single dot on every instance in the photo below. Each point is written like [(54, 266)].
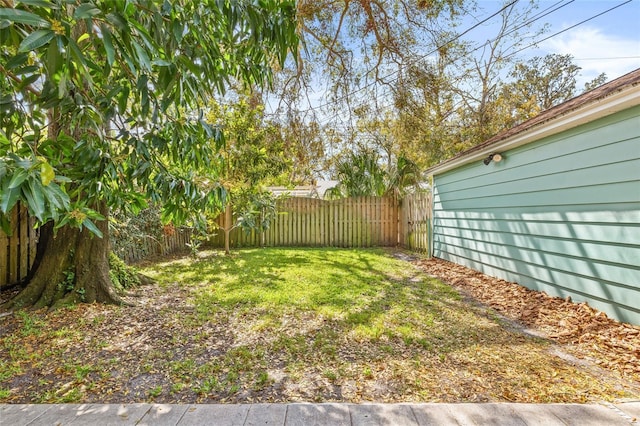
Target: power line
[(571, 27), (516, 27), (420, 58), (543, 13), (552, 35)]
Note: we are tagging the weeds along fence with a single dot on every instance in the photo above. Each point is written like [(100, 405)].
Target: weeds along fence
[(18, 250)]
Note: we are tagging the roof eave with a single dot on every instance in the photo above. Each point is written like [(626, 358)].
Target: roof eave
[(619, 101)]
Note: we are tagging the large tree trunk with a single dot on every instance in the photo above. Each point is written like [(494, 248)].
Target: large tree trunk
[(71, 266)]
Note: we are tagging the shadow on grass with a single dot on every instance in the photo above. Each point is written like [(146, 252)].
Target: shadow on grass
[(364, 295)]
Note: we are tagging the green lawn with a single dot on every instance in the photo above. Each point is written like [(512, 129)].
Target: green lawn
[(277, 325), (371, 295)]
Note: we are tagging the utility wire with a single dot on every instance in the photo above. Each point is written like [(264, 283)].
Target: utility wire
[(326, 121), (571, 27), (516, 27), (420, 58), (543, 13)]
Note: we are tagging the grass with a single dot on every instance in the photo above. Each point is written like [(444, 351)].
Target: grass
[(279, 325)]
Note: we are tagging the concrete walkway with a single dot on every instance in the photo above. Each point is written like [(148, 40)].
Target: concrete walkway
[(303, 414)]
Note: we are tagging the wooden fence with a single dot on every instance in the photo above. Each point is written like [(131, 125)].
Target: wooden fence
[(18, 251), (170, 242), (349, 222), (415, 219), (310, 222)]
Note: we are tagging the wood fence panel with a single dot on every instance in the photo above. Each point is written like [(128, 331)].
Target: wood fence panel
[(357, 222), (350, 222), (416, 222), (18, 251), (167, 244)]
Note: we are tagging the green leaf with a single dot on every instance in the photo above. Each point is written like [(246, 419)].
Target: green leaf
[(46, 173), (118, 21), (23, 17), (108, 44), (92, 227), (9, 199), (83, 37), (57, 198), (142, 56), (17, 61), (36, 39), (86, 11), (5, 225), (18, 177), (54, 59), (35, 199), (39, 3), (161, 63)]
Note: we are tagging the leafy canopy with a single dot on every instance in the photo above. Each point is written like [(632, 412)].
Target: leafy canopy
[(99, 100)]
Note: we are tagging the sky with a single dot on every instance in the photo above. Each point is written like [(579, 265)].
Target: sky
[(609, 43)]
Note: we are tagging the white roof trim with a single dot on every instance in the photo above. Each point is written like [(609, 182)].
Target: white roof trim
[(619, 101)]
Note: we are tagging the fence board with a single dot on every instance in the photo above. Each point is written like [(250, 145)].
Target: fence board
[(350, 222), (416, 222), (169, 243), (17, 252), (357, 222)]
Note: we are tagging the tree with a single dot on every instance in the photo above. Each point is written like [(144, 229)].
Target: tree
[(360, 174), (304, 144), (99, 109), (480, 119), (425, 102), (548, 80), (252, 156), (353, 49)]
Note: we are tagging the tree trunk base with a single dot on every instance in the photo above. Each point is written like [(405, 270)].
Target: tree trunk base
[(71, 266)]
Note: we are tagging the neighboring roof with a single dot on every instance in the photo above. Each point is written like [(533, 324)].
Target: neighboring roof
[(614, 96), (310, 191)]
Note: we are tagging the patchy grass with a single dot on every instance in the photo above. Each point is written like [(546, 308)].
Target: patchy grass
[(279, 325)]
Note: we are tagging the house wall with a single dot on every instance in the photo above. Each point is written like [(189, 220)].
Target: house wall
[(560, 215)]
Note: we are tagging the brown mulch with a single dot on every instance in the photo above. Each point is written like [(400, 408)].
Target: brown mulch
[(584, 332)]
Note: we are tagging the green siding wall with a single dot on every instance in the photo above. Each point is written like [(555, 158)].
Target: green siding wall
[(560, 215)]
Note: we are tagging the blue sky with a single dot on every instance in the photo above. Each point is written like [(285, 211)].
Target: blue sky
[(609, 43)]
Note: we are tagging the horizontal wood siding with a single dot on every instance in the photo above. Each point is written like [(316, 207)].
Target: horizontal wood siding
[(18, 251), (560, 215), (311, 222)]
